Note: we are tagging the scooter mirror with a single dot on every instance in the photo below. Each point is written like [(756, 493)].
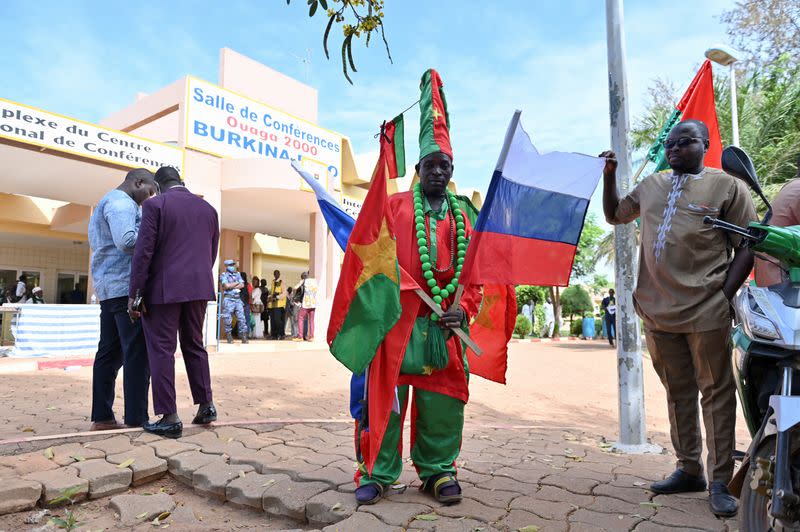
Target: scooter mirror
[(737, 163)]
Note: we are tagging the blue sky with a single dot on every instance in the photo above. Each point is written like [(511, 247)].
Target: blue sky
[(89, 58)]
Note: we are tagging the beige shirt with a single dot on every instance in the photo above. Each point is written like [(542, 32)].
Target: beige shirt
[(785, 213), (683, 263)]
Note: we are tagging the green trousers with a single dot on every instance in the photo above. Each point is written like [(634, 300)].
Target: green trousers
[(437, 423)]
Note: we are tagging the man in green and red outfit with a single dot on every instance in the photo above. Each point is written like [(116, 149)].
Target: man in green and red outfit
[(432, 233)]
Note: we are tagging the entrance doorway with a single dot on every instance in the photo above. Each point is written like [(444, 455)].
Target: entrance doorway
[(66, 288)]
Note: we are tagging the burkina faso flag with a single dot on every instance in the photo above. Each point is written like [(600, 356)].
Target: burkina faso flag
[(367, 301), (697, 103)]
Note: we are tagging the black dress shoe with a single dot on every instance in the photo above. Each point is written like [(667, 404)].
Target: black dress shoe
[(162, 428), (205, 416), (679, 482), (722, 503)]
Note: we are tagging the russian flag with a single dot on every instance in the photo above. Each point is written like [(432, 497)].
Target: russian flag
[(339, 222), (528, 229)]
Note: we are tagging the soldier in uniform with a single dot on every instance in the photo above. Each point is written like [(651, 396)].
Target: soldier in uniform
[(232, 285)]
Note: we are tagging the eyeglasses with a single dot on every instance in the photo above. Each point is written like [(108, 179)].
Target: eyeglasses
[(681, 142)]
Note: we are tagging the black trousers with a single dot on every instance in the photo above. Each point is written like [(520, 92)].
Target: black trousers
[(277, 323), (611, 327), (122, 345)]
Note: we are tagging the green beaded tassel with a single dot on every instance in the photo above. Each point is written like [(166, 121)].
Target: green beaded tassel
[(436, 347)]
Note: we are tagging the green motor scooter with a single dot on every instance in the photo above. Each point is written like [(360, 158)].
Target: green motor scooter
[(766, 354)]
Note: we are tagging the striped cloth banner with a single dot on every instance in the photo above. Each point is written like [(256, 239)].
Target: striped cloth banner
[(55, 330)]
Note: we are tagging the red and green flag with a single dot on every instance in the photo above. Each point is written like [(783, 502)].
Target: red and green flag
[(374, 308), (697, 104), (394, 134), (367, 300)]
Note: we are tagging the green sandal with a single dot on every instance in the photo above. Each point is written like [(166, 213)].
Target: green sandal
[(437, 483)]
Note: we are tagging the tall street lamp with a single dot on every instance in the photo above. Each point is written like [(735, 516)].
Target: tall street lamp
[(727, 56)]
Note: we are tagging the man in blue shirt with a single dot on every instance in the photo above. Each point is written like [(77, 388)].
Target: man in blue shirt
[(113, 229), (232, 285)]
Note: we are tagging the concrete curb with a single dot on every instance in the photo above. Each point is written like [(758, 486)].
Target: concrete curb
[(24, 365)]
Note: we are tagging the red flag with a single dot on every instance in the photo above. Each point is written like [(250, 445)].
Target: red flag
[(698, 104), (374, 306), (491, 329)]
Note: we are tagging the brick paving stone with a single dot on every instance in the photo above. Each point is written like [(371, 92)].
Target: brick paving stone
[(466, 475), (140, 509), (331, 475), (647, 526), (22, 464), (576, 470), (628, 481), (249, 491), (329, 507), (508, 484), (212, 479), (361, 522), (555, 511), (645, 470), (17, 495), (599, 521), (182, 466), (104, 479), (481, 467), (307, 431), (517, 519), (396, 513), (73, 452), (685, 512), (632, 495), (146, 465), (449, 524), (470, 508), (320, 459), (606, 468), (288, 498), (350, 487), (582, 486), (257, 441), (496, 498), (285, 453), (113, 445), (551, 493), (232, 433), (292, 467), (528, 476), (56, 481), (204, 437), (609, 505), (165, 447), (258, 459), (146, 437)]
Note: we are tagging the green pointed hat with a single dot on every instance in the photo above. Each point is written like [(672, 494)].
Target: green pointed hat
[(434, 120)]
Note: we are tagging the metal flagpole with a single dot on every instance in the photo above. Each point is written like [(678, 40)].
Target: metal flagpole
[(629, 345)]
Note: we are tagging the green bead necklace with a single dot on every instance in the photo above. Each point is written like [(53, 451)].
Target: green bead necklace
[(457, 252)]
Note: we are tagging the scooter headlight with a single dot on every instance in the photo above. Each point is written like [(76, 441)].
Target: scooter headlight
[(763, 327)]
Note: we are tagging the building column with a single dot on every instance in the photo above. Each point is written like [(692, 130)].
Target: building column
[(319, 249)]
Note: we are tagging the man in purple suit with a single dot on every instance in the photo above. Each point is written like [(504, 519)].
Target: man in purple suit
[(172, 274)]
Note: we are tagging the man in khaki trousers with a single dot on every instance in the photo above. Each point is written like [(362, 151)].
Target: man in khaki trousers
[(688, 272)]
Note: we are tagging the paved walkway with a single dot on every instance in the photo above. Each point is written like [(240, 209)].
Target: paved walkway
[(301, 475), (535, 455)]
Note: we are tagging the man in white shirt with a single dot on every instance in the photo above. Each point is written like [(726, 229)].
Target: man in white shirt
[(21, 289), (549, 318)]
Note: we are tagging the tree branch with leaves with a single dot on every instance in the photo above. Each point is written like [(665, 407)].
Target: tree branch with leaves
[(358, 18)]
